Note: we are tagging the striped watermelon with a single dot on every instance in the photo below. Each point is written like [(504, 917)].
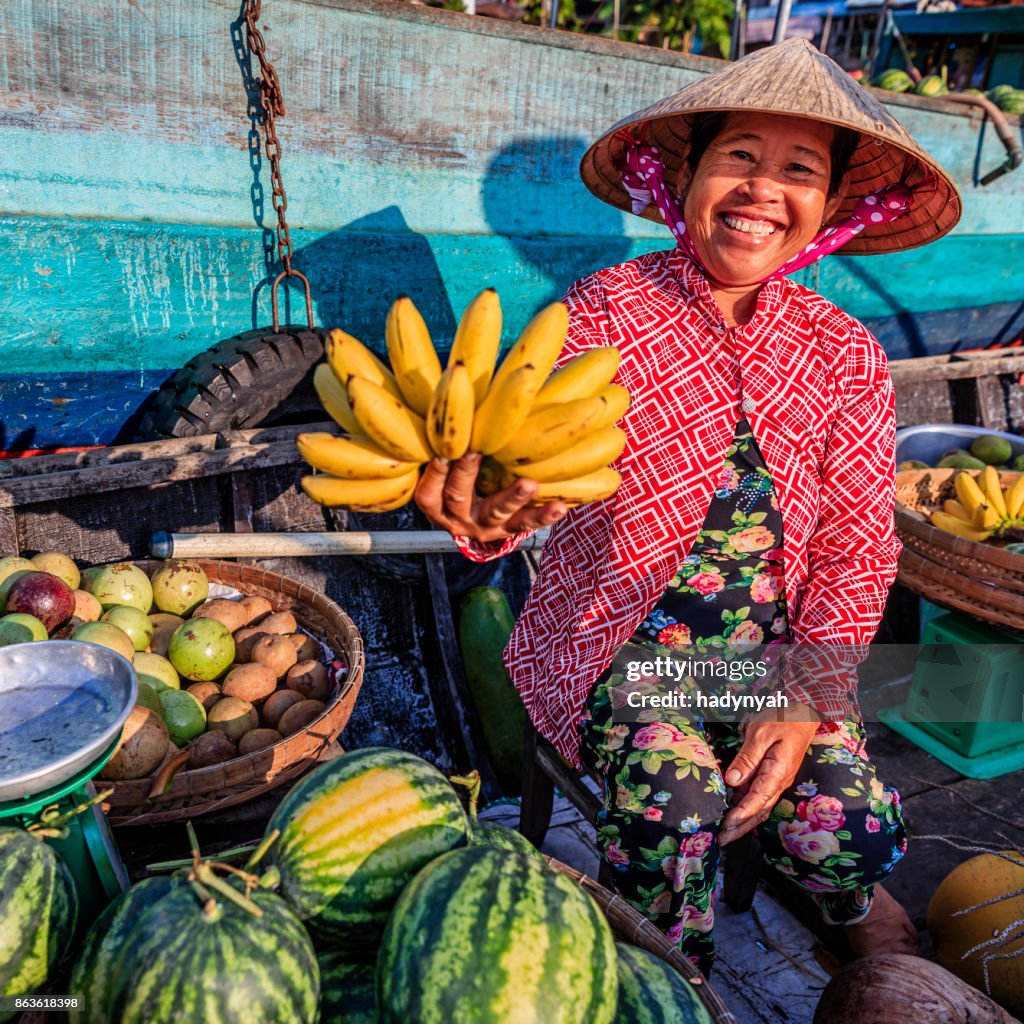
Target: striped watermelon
[(501, 837), (483, 936), (346, 989), (651, 992), (354, 832), (38, 912), (103, 945), (182, 963)]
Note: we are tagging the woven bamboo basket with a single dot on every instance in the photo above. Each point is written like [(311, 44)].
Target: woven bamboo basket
[(980, 579), (197, 792), (631, 926)]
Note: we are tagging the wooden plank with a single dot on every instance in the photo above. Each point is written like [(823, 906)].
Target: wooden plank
[(956, 367), (154, 472)]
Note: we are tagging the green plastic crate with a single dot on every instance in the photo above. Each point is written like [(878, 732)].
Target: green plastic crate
[(968, 686)]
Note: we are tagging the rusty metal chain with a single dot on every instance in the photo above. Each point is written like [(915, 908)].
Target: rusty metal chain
[(272, 102)]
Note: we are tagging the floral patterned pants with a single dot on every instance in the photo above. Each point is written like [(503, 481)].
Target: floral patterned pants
[(836, 831)]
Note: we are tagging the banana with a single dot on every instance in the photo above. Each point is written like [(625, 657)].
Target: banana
[(488, 479), (616, 399), (388, 421), (986, 518), (349, 357), (477, 340), (954, 508), (505, 409), (990, 485), (334, 399), (362, 495), (1015, 498), (450, 413), (553, 429), (596, 486), (594, 451), (585, 375), (539, 344), (968, 491), (413, 358), (958, 526), (352, 458)]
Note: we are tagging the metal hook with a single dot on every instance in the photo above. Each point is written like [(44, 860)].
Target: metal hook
[(309, 296)]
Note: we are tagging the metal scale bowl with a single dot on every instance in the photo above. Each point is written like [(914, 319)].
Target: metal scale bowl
[(63, 704)]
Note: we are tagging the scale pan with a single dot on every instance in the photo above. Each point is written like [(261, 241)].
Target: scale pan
[(62, 704)]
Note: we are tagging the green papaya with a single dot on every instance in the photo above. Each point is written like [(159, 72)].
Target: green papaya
[(485, 625)]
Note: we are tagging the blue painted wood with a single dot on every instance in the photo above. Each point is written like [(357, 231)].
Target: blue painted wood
[(133, 215)]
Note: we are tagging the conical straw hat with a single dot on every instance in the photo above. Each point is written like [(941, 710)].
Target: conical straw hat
[(792, 78)]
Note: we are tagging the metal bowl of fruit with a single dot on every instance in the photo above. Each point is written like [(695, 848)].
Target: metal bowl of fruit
[(62, 705)]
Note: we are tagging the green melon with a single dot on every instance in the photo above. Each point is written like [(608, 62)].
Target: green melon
[(38, 912), (651, 992), (485, 936), (346, 989), (354, 832), (104, 944), (220, 965), (485, 625), (932, 85), (501, 837), (895, 81)]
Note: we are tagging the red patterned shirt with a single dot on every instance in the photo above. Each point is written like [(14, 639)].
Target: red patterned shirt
[(814, 386)]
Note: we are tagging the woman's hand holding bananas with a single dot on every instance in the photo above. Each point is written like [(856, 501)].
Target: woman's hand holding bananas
[(506, 448)]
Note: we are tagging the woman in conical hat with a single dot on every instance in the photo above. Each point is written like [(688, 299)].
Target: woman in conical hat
[(756, 504)]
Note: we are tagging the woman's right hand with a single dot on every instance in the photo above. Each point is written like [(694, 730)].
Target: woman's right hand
[(446, 495)]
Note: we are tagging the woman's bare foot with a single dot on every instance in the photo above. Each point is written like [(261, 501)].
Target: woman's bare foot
[(886, 929)]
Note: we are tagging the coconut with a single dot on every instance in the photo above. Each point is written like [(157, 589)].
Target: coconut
[(141, 747)]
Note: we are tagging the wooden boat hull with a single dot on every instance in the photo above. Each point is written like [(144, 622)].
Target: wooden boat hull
[(424, 152)]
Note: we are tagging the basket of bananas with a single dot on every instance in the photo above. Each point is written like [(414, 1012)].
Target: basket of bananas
[(963, 540), (557, 428)]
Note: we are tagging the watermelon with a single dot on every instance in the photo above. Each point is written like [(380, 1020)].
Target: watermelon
[(38, 912), (103, 945), (490, 833), (651, 992), (482, 936), (932, 85), (1012, 101), (500, 837), (895, 81), (346, 989), (354, 832), (219, 964), (998, 91)]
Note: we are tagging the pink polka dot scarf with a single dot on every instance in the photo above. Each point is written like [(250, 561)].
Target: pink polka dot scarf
[(643, 177)]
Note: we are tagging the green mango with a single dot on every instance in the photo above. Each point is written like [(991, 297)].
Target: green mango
[(960, 462), (991, 450)]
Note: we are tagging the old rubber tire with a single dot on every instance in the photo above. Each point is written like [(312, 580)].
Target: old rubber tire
[(259, 378)]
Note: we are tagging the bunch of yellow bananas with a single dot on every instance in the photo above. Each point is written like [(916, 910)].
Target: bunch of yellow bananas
[(982, 508), (557, 429)]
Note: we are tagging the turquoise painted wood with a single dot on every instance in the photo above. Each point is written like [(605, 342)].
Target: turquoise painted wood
[(425, 152)]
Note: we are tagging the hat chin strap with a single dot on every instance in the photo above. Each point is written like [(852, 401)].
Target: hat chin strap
[(643, 177)]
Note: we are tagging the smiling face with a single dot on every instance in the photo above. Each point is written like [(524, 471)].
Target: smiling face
[(759, 195)]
